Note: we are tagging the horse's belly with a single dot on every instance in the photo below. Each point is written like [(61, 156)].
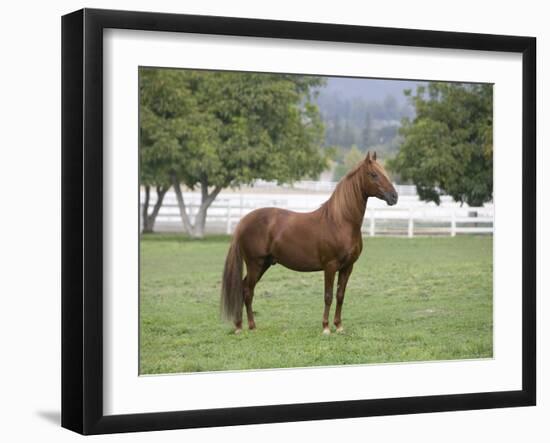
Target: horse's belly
[(298, 257), (300, 264)]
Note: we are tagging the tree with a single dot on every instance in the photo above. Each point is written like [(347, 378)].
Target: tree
[(352, 157), (217, 129), (390, 107), (448, 147), (366, 133), (160, 93), (348, 136)]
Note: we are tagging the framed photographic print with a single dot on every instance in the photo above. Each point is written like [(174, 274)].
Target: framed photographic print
[(269, 221)]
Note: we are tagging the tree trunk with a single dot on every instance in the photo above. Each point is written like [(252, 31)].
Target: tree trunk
[(197, 229), (181, 204), (200, 222), (206, 200), (149, 219), (145, 212)]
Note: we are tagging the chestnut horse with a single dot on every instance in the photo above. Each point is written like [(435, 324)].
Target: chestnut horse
[(327, 239)]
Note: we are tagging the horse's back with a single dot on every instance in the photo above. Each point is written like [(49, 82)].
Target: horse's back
[(268, 221), (261, 219)]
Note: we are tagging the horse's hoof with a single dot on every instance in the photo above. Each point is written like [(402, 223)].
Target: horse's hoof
[(238, 331), (340, 329), (326, 331)]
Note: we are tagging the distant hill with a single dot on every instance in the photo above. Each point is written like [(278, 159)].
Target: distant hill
[(365, 114), (368, 89)]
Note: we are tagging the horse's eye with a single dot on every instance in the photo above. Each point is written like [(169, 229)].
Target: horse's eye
[(373, 174)]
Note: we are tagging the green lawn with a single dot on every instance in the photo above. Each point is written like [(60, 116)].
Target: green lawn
[(407, 300)]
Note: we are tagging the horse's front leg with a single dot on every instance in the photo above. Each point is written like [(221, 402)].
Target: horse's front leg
[(330, 271), (343, 277)]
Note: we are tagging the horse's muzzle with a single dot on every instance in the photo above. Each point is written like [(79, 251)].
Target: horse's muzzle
[(390, 197)]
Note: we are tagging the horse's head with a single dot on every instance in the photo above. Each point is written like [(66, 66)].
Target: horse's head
[(378, 184)]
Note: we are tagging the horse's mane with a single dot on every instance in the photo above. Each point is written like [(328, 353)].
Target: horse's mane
[(348, 201)]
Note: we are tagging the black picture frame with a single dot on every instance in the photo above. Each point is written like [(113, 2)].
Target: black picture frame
[(82, 219)]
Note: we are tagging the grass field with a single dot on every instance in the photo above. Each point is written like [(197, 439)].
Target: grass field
[(407, 300)]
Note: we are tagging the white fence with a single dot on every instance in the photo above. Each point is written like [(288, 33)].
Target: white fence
[(410, 217), (325, 186)]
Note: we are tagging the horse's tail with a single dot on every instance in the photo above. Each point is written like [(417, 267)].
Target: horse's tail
[(232, 283)]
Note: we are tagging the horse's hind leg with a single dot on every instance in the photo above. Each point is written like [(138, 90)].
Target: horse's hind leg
[(254, 271)]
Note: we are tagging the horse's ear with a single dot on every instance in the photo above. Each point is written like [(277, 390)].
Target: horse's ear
[(374, 156), (368, 159)]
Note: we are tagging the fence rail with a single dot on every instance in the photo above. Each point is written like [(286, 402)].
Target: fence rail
[(324, 186), (409, 218)]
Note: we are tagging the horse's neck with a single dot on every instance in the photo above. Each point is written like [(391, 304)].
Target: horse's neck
[(347, 203), (357, 219)]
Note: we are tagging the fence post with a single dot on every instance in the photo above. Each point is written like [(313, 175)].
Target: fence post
[(228, 223), (453, 223), (411, 223), (371, 226), (241, 205)]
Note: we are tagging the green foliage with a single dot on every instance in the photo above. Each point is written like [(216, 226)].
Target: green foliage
[(163, 99), (448, 147), (351, 158), (228, 128), (415, 299)]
